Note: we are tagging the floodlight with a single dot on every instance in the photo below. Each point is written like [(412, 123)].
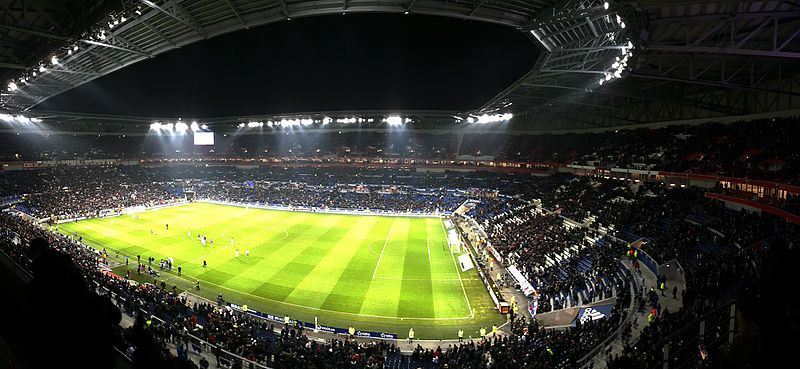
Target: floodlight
[(12, 86), (393, 120), (195, 127), (605, 5)]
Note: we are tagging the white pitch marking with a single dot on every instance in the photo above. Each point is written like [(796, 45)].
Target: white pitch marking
[(429, 249), (458, 272), (384, 248)]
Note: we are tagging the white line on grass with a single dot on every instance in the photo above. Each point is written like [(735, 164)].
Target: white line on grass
[(429, 249), (458, 273), (191, 280), (421, 279), (384, 248), (327, 310), (369, 247)]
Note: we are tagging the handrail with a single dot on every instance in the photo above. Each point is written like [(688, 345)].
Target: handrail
[(695, 321), (591, 354), (204, 342)]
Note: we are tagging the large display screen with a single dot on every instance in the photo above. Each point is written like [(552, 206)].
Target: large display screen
[(204, 138)]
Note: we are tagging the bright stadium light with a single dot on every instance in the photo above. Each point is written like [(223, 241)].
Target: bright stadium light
[(54, 60), (195, 127), (204, 126), (493, 118), (605, 5), (155, 126), (12, 86), (393, 120), (181, 127), (241, 125), (326, 121), (19, 119), (41, 68)]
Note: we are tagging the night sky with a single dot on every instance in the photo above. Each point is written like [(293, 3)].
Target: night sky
[(352, 62)]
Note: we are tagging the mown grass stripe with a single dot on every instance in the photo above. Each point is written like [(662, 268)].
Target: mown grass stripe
[(350, 291)]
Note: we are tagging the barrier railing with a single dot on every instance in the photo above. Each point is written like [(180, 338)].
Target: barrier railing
[(197, 344), (682, 349), (587, 360)]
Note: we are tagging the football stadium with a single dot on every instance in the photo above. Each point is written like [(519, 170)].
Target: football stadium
[(399, 184)]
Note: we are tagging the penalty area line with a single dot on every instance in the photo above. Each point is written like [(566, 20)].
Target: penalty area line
[(458, 273), (382, 249)]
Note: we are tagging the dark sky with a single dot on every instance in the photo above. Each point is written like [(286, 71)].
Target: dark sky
[(352, 62)]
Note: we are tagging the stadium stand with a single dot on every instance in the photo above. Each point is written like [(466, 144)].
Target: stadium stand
[(569, 265)]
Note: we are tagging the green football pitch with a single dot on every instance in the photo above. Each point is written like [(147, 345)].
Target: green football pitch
[(376, 273)]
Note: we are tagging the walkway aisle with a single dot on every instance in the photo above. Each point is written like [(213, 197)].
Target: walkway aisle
[(648, 280)]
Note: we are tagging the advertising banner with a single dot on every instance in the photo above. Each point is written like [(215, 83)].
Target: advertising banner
[(593, 313)]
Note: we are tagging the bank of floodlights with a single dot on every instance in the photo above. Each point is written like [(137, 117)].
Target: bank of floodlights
[(486, 118), (60, 56)]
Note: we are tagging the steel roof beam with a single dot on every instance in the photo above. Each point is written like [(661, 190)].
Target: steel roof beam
[(478, 5), (236, 13), (103, 44), (177, 10), (285, 8), (34, 32), (158, 32), (725, 50), (12, 65)]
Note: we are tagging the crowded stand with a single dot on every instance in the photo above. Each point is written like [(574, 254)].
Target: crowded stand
[(286, 346), (763, 149), (566, 234), (567, 266)]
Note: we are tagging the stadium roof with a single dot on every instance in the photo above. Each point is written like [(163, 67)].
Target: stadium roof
[(678, 60)]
